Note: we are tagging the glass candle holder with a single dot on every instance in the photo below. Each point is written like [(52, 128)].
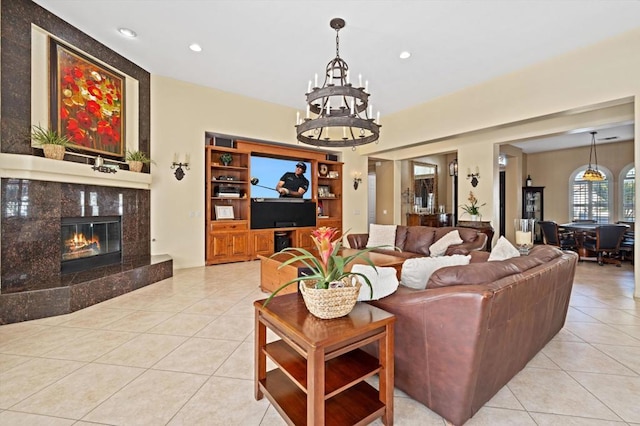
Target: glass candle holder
[(524, 235)]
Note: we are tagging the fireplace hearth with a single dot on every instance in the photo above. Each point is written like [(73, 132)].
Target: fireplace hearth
[(90, 242)]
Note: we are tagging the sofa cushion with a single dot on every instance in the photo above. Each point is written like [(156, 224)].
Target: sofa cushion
[(439, 247), (416, 271), (381, 235), (503, 250), (476, 273), (419, 239), (383, 281)]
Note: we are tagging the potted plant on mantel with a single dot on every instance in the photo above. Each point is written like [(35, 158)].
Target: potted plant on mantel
[(136, 159), (52, 143), (328, 278)]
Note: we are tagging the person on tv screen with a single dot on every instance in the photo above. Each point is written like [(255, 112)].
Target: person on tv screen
[(294, 184)]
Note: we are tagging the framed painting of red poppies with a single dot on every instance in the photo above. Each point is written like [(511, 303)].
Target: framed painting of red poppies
[(87, 102)]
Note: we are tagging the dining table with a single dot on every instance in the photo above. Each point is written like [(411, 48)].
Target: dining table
[(582, 231)]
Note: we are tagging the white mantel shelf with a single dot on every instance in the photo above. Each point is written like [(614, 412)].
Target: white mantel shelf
[(20, 166)]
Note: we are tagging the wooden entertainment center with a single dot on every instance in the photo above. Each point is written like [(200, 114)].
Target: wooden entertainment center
[(229, 237)]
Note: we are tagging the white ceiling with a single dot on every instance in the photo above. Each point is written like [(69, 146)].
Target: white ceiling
[(270, 49)]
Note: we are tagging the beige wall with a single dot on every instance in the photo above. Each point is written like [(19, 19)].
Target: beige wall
[(385, 173), (471, 122), (553, 170)]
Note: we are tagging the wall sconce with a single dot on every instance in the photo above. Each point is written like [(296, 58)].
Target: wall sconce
[(357, 180), (178, 165), (473, 176), (453, 167)]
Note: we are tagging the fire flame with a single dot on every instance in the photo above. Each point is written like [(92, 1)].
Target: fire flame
[(80, 242)]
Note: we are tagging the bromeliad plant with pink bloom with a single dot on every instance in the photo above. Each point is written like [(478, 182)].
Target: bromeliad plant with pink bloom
[(327, 266)]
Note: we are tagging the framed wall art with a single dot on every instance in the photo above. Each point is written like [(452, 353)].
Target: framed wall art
[(224, 212), (87, 102)]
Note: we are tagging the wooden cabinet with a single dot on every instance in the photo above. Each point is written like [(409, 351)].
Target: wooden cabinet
[(329, 194), (227, 205), (229, 237), (533, 207), (435, 220)]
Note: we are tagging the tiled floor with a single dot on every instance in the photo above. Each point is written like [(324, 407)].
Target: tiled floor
[(179, 352)]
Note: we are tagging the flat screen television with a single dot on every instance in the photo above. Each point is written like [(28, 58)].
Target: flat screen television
[(269, 170)]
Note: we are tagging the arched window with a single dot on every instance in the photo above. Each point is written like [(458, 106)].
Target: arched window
[(590, 200), (628, 193)]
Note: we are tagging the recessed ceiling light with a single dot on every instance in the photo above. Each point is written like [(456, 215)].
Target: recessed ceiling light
[(127, 32), (195, 47), (405, 55)]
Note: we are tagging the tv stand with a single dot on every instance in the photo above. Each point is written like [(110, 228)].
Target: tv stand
[(231, 235)]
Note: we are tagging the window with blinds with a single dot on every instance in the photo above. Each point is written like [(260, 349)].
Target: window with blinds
[(629, 195), (590, 200)]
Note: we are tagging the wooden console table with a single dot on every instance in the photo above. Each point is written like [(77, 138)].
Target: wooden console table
[(436, 220), (321, 370)]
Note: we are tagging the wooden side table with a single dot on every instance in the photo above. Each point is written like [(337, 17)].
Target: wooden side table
[(321, 370)]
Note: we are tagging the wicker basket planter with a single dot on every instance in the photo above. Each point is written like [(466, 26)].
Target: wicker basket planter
[(332, 302), (53, 151), (135, 166)]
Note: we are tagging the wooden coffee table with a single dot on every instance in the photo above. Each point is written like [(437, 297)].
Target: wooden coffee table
[(320, 369), (273, 276)]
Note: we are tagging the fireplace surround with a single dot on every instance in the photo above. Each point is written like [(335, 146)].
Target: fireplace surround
[(89, 242)]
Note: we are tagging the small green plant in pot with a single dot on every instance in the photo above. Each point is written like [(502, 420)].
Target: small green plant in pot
[(52, 143), (137, 159), (226, 158)]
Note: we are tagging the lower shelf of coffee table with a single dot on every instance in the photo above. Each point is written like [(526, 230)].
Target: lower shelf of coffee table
[(359, 404)]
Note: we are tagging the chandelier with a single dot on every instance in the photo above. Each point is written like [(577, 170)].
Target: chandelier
[(593, 174), (342, 113)]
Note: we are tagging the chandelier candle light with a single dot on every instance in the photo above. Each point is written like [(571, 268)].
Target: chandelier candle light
[(343, 114)]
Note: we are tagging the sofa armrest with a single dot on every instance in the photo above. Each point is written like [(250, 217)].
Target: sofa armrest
[(467, 247), (357, 241)]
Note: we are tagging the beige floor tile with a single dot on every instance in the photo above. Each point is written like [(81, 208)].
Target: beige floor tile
[(224, 402), (543, 361), (586, 302), (630, 330), (543, 419), (567, 336), (228, 327), (30, 377), (80, 392), (7, 362), (505, 399), (211, 306), (143, 350), (15, 419), (94, 317), (490, 416), (19, 330), (555, 392), (272, 418), (572, 356), (91, 345), (620, 393), (183, 324), (240, 364), (139, 321), (199, 356), (577, 315), (173, 304), (601, 333), (612, 316), (408, 412), (151, 399), (43, 341)]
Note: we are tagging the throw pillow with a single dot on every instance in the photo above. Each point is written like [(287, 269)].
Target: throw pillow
[(417, 271), (382, 235), (382, 279), (440, 247), (503, 250)]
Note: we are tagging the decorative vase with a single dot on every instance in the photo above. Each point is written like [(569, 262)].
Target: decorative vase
[(475, 217), (333, 302), (135, 166), (53, 151), (525, 230)]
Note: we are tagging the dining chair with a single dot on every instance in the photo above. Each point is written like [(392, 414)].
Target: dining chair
[(552, 235), (628, 241), (606, 244)]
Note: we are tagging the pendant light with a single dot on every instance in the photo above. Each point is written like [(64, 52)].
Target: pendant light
[(592, 173)]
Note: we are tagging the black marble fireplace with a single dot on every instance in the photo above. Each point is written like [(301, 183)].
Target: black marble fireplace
[(37, 218), (89, 242)]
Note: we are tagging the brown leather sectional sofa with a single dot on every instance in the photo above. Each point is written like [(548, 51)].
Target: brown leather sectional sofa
[(414, 241), (459, 341)]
